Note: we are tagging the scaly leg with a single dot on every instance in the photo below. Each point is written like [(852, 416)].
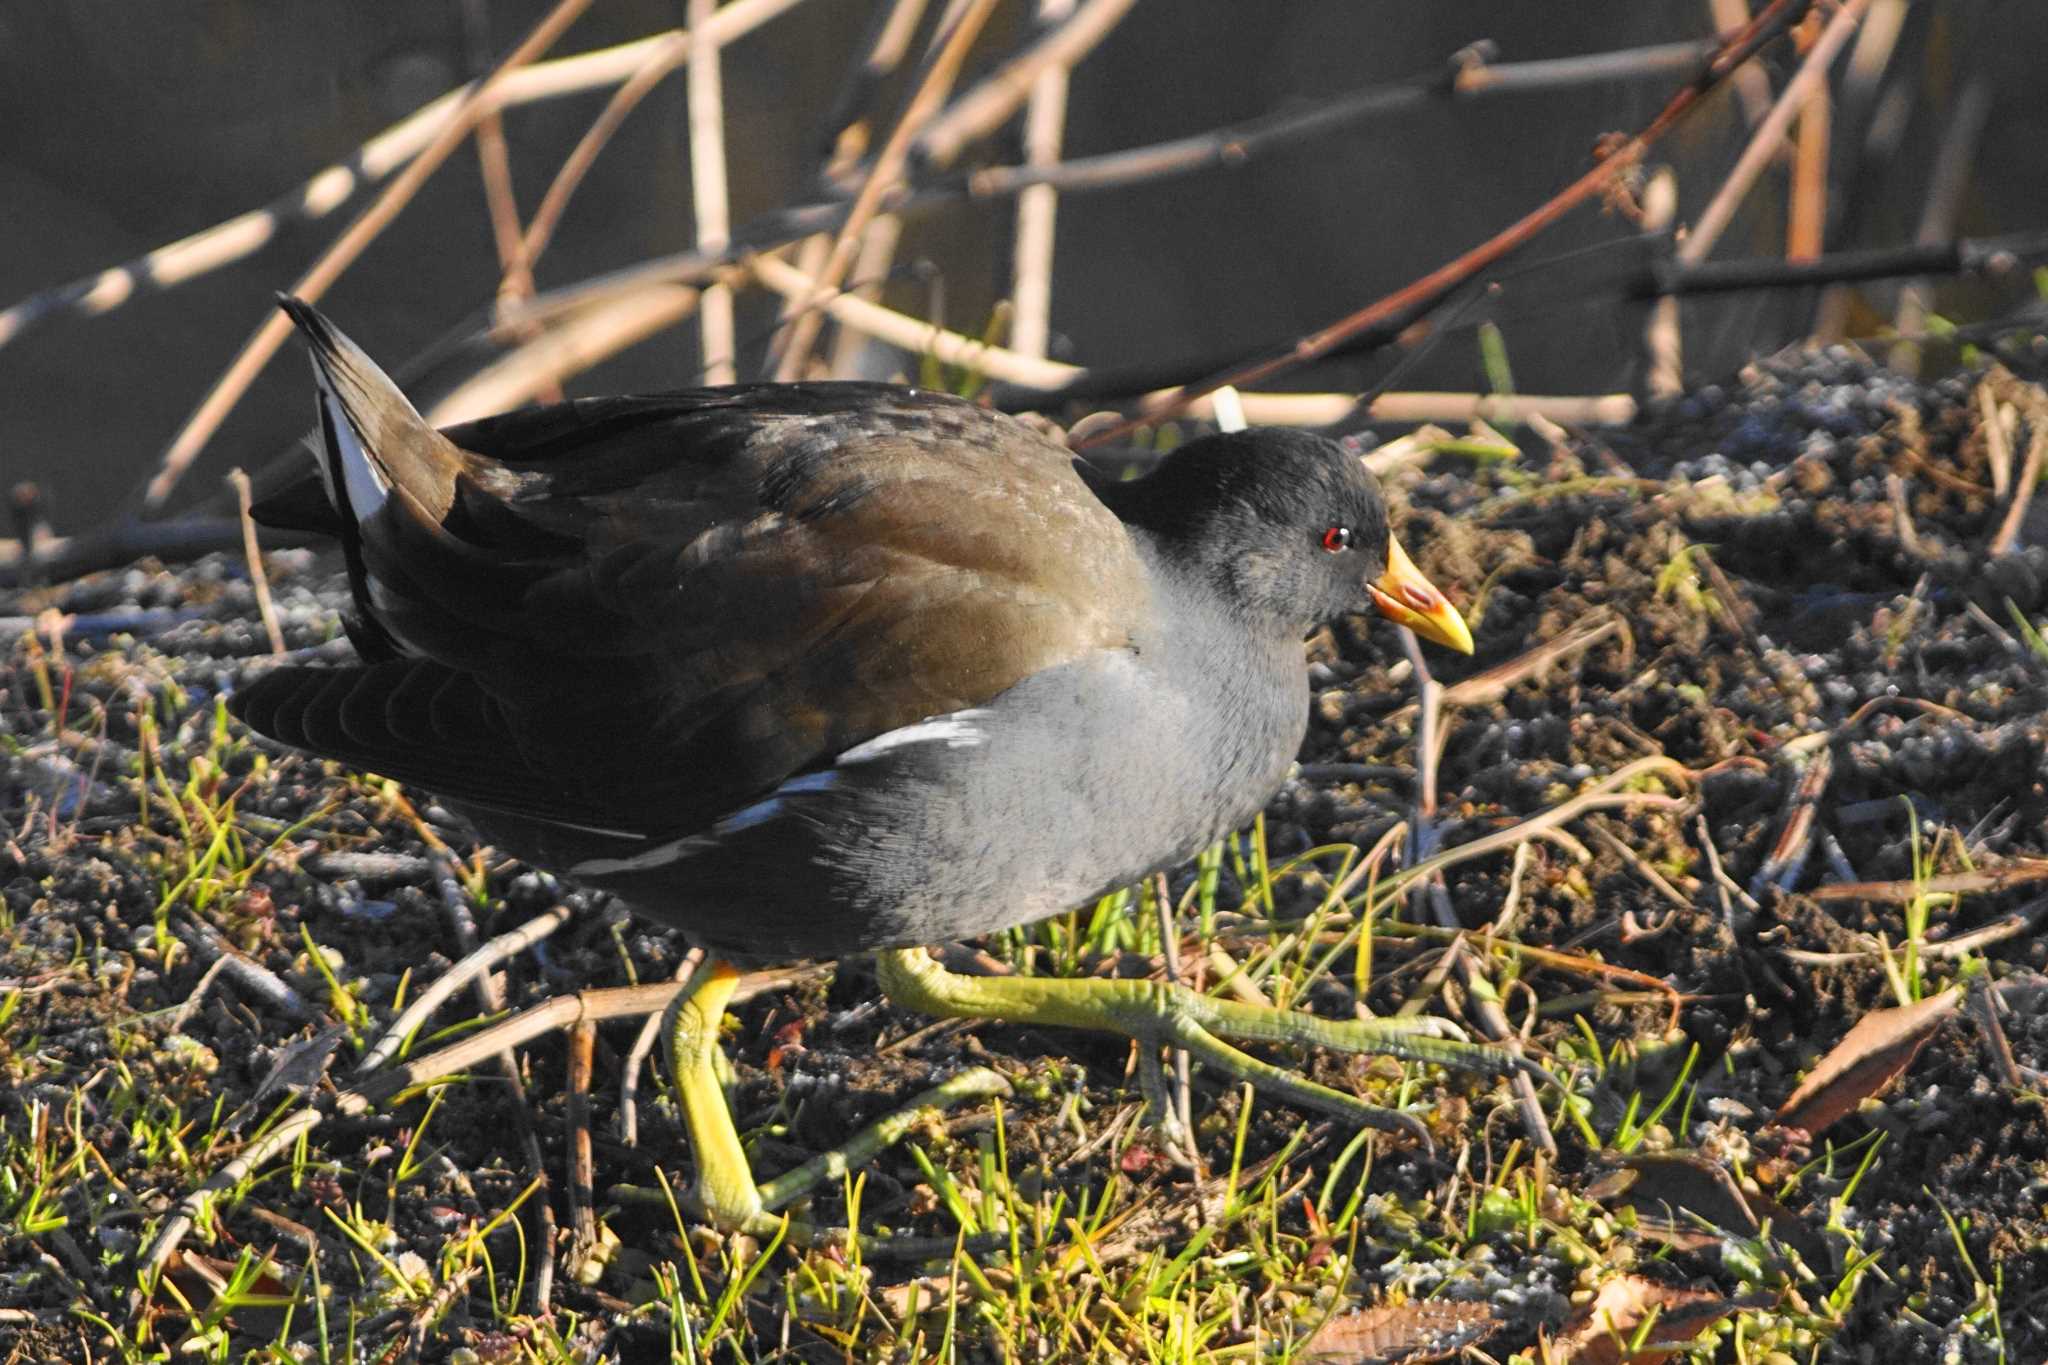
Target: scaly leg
[(1157, 1012), (726, 1192)]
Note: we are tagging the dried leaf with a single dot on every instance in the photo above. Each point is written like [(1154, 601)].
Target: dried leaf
[(1402, 1333), (1600, 1333), (1674, 1193), (1873, 1055)]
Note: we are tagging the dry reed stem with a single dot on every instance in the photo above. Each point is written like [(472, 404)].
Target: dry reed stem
[(1416, 298), (562, 351), (656, 58), (1045, 117), (2030, 473), (494, 161), (880, 238), (478, 962), (877, 250), (327, 190), (848, 125), (990, 103), (1663, 347), (595, 1006), (1770, 134), (228, 390), (582, 1182), (1752, 85), (636, 1057), (1807, 224), (706, 95), (1997, 445), (1261, 409), (253, 553), (886, 174), (906, 332)]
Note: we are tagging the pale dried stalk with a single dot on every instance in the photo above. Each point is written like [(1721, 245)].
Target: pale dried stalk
[(1009, 366), (618, 1002), (328, 189), (878, 241), (253, 553), (564, 350), (1662, 344), (2023, 487), (708, 192), (1752, 86), (477, 963), (494, 160), (228, 390), (663, 59), (1809, 212), (877, 250), (1044, 123), (515, 277), (1770, 134), (988, 105), (885, 176), (906, 332)]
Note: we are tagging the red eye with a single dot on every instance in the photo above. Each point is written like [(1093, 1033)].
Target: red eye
[(1337, 539)]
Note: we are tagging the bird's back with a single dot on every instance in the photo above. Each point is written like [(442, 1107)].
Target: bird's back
[(635, 615)]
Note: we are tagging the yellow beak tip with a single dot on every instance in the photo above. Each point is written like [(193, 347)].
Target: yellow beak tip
[(1403, 595)]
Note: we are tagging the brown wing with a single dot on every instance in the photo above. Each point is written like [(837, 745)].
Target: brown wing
[(668, 605)]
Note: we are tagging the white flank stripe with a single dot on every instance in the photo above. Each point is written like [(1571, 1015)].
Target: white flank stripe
[(661, 855), (956, 730)]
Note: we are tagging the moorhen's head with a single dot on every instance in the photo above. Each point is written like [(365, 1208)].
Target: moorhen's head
[(1289, 527)]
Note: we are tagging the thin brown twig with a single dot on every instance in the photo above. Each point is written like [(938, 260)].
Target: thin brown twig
[(2000, 877), (229, 388), (1795, 834), (2029, 477), (1806, 226), (1233, 145), (636, 1057), (501, 203), (886, 174), (253, 554), (1417, 297), (1752, 85), (494, 160), (848, 124), (582, 1184), (328, 190), (1075, 32), (1770, 134)]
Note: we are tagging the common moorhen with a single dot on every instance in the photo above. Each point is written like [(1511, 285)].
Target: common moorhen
[(815, 669)]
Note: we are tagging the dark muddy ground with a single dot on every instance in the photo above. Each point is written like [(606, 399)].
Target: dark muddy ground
[(1783, 586)]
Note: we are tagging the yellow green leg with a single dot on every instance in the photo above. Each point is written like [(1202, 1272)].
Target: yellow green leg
[(726, 1193), (1158, 1012), (725, 1183)]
